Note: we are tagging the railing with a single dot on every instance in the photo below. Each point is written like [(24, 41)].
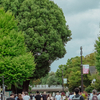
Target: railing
[(46, 86)]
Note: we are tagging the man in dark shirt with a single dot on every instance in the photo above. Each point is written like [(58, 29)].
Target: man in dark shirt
[(77, 96), (38, 96), (31, 96), (44, 96), (11, 97)]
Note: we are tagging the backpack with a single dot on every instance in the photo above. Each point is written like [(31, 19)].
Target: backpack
[(94, 98), (78, 98)]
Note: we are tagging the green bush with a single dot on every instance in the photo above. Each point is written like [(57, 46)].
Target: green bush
[(89, 89)]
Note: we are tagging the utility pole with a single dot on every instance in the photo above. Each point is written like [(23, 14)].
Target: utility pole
[(62, 81), (3, 88), (81, 71)]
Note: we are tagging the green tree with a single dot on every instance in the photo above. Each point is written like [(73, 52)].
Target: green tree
[(45, 30), (61, 72), (89, 89), (90, 59), (97, 48), (72, 71), (15, 64), (97, 63), (35, 82), (96, 84), (44, 79), (52, 79)]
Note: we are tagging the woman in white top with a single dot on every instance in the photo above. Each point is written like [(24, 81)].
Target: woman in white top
[(50, 97)]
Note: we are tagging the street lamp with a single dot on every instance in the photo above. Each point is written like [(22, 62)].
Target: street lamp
[(0, 89), (81, 70), (3, 88), (62, 81)]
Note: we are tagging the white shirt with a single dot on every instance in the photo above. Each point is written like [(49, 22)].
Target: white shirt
[(50, 98), (58, 97), (71, 96), (92, 97), (98, 97), (23, 95), (26, 97)]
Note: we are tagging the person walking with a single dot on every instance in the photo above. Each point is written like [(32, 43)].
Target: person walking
[(50, 97), (98, 96), (19, 97), (44, 96), (77, 96), (0, 96), (26, 97), (94, 96), (16, 96), (71, 96), (58, 96), (31, 96), (11, 97), (23, 94), (38, 96)]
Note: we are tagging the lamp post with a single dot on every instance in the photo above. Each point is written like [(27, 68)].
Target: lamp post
[(3, 88), (81, 71), (62, 81)]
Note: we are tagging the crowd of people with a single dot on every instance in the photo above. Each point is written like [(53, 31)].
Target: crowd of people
[(77, 95), (48, 96), (37, 96)]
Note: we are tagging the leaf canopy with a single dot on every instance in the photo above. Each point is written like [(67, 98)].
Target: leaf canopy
[(15, 64), (72, 71), (45, 30), (97, 48)]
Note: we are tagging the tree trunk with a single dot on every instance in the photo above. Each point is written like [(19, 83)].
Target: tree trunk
[(26, 85), (13, 88)]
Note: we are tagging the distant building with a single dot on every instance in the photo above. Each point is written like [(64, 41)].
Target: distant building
[(47, 88)]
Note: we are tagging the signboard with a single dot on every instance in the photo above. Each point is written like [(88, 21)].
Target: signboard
[(65, 80), (85, 69)]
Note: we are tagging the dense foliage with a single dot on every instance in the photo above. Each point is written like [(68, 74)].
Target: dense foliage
[(35, 82), (15, 64), (45, 30), (44, 79), (49, 79), (53, 79), (72, 71), (96, 84), (97, 48), (89, 89)]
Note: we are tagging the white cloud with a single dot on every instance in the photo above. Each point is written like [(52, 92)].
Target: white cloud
[(85, 24), (87, 45), (76, 6), (83, 18)]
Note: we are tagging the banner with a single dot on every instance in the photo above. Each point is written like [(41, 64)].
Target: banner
[(65, 80), (85, 69)]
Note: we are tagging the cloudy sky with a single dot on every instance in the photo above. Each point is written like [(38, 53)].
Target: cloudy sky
[(83, 18)]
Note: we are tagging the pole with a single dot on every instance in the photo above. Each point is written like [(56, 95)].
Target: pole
[(62, 82), (81, 71), (3, 87)]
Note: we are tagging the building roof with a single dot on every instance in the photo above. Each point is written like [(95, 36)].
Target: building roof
[(46, 88)]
